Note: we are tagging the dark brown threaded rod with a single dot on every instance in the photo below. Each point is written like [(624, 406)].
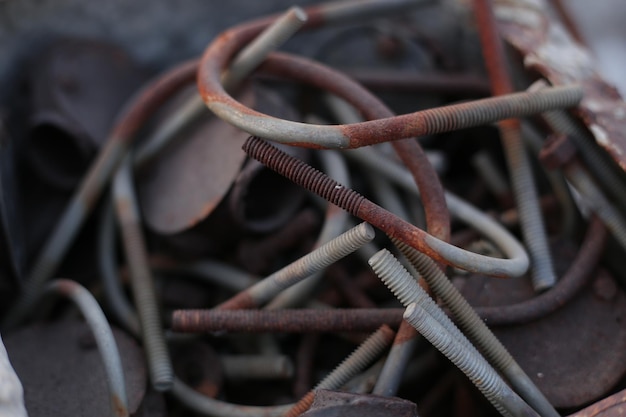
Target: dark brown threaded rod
[(285, 321)]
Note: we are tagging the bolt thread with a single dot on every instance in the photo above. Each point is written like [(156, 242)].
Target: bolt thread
[(466, 317), (325, 255), (459, 116), (285, 321), (311, 263), (390, 376), (407, 290), (531, 219), (468, 361), (144, 294), (258, 257), (302, 405), (476, 330), (356, 362), (389, 223), (452, 342), (303, 174)]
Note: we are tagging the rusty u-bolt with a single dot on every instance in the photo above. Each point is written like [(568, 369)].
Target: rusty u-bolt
[(443, 119)]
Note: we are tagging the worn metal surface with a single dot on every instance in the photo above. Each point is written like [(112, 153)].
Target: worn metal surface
[(575, 311), (612, 406), (190, 179), (548, 48), (62, 372), (194, 174), (521, 176), (284, 321), (431, 121), (393, 226), (336, 403), (578, 274), (591, 361)]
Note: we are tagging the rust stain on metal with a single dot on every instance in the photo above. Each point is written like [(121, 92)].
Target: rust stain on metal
[(188, 181), (557, 151), (612, 406), (242, 300), (336, 403), (118, 406), (549, 49), (405, 333), (285, 321), (570, 375)]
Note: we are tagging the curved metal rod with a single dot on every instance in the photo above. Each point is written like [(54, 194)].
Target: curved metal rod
[(437, 120), (216, 408), (459, 208), (436, 211), (578, 274), (113, 369)]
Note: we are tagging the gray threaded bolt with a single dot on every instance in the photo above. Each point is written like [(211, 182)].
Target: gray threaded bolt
[(356, 362), (304, 267), (407, 290), (144, 294), (402, 284), (531, 219), (476, 330), (482, 375)]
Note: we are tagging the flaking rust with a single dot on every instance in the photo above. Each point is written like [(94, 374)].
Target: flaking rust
[(548, 48)]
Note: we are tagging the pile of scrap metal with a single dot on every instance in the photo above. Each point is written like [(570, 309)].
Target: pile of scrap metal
[(246, 232)]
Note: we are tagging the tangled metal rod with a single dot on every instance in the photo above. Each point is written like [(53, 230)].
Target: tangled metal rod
[(227, 62), (318, 183)]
